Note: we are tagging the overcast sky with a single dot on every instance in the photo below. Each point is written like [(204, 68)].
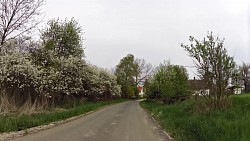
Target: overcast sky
[(154, 29)]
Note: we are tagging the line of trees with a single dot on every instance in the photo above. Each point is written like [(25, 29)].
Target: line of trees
[(166, 83), (47, 73), (52, 71), (215, 67)]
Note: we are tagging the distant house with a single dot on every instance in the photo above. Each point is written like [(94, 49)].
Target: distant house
[(199, 87), (197, 84), (236, 89), (140, 89)]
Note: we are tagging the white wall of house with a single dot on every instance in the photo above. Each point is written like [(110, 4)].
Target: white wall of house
[(141, 93), (238, 90), (201, 92)]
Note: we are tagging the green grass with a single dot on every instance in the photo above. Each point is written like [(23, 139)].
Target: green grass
[(22, 122), (183, 124)]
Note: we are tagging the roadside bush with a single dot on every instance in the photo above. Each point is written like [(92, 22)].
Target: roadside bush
[(18, 81), (169, 83), (100, 84), (62, 81), (49, 81), (110, 88)]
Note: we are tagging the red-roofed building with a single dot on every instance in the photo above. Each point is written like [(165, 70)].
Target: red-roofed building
[(140, 89)]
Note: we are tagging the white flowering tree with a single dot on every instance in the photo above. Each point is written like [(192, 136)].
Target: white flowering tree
[(18, 80), (100, 84), (52, 73)]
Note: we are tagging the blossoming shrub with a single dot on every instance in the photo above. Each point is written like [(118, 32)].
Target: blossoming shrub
[(104, 84), (43, 81), (51, 72), (63, 82), (18, 80)]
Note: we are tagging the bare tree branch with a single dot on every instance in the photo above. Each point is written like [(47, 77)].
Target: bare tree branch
[(17, 17), (144, 70)]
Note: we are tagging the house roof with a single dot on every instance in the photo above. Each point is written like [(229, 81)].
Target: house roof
[(197, 84), (139, 88)]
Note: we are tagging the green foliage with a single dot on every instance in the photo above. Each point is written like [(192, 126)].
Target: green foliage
[(63, 37), (185, 124), (131, 92), (214, 66), (125, 72), (130, 73), (169, 83)]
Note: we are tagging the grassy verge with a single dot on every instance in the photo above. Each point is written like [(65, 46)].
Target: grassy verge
[(184, 124), (21, 122)]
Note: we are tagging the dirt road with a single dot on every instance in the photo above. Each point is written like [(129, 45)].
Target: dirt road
[(121, 122)]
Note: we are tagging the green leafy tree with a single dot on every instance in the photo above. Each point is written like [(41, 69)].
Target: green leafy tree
[(63, 37), (125, 72), (130, 73), (169, 83), (214, 66)]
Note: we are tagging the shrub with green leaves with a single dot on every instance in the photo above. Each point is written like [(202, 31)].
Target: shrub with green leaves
[(63, 37), (169, 83)]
